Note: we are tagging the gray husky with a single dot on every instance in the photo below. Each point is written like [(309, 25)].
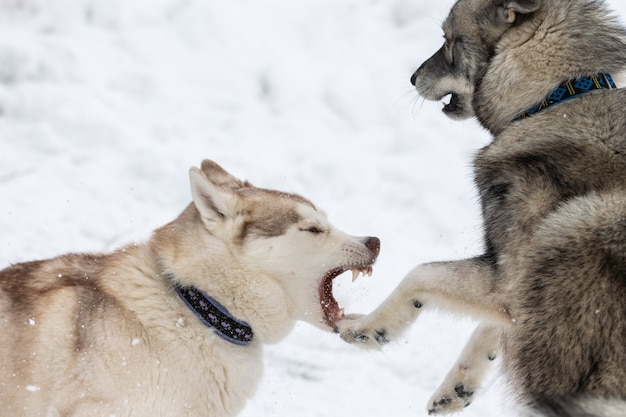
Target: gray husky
[(550, 288)]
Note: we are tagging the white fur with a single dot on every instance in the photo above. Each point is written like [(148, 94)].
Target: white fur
[(112, 338)]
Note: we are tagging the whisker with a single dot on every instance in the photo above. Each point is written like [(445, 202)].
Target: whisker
[(409, 92), (412, 102), (421, 101)]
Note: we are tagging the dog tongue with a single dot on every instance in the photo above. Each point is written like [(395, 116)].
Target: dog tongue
[(332, 312), (330, 307)]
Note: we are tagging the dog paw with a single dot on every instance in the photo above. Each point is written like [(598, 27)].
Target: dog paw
[(356, 331), (366, 336), (451, 402)]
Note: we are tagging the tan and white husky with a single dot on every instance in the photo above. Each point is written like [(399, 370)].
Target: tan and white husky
[(173, 327)]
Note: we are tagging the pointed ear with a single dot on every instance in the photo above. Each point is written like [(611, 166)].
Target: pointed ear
[(218, 175), (510, 8), (212, 192)]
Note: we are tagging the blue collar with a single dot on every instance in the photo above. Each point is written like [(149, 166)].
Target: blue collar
[(212, 314), (570, 89)]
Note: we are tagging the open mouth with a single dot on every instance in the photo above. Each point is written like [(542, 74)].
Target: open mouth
[(460, 106), (454, 106), (332, 313)]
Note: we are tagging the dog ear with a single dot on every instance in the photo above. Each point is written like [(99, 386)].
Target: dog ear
[(510, 8), (212, 189), (218, 175)]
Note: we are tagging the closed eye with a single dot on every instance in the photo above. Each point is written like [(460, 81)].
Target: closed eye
[(449, 50), (313, 229)]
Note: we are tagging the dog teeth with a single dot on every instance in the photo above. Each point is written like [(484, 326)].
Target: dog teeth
[(355, 274), (358, 272)]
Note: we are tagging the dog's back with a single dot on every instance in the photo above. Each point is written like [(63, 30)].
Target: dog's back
[(73, 342), (39, 301)]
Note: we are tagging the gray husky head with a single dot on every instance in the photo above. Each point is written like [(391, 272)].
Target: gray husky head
[(471, 32), (500, 57)]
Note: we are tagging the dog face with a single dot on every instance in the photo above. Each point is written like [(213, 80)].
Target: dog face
[(286, 237), (471, 32)]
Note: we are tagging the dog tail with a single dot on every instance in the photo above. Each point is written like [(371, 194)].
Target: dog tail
[(576, 407)]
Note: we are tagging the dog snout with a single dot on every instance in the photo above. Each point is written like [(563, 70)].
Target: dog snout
[(417, 73), (373, 244)]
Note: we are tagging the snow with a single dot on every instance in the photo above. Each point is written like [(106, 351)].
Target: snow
[(105, 104)]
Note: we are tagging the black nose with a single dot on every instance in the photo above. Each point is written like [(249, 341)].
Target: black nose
[(373, 244), (413, 78)]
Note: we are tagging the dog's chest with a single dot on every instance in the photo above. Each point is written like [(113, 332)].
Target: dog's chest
[(202, 380), (530, 170), (518, 187)]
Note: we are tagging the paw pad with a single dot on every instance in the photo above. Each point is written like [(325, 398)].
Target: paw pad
[(462, 393), (381, 337), (360, 337)]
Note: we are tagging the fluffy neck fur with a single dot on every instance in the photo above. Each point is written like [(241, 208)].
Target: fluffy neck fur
[(212, 267), (542, 50)]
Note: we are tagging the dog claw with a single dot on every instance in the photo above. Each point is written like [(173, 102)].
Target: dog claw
[(350, 336), (358, 329), (365, 338), (380, 336), (453, 402), (355, 337)]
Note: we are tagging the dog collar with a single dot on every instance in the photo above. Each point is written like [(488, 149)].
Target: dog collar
[(212, 314), (569, 89)]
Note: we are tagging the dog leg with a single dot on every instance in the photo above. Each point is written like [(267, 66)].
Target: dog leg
[(458, 388), (464, 287)]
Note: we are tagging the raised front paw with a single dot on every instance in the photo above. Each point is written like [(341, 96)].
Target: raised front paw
[(451, 401), (363, 332)]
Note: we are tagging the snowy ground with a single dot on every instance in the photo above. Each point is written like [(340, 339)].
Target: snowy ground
[(104, 105)]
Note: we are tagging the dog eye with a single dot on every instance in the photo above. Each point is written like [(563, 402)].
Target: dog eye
[(313, 229), (448, 50)]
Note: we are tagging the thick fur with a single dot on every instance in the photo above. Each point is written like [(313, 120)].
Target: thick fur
[(550, 289), (107, 335)]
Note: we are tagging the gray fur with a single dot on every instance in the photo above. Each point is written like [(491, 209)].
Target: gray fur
[(551, 285)]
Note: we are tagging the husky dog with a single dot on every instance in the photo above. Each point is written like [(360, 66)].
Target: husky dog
[(173, 327), (550, 288)]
